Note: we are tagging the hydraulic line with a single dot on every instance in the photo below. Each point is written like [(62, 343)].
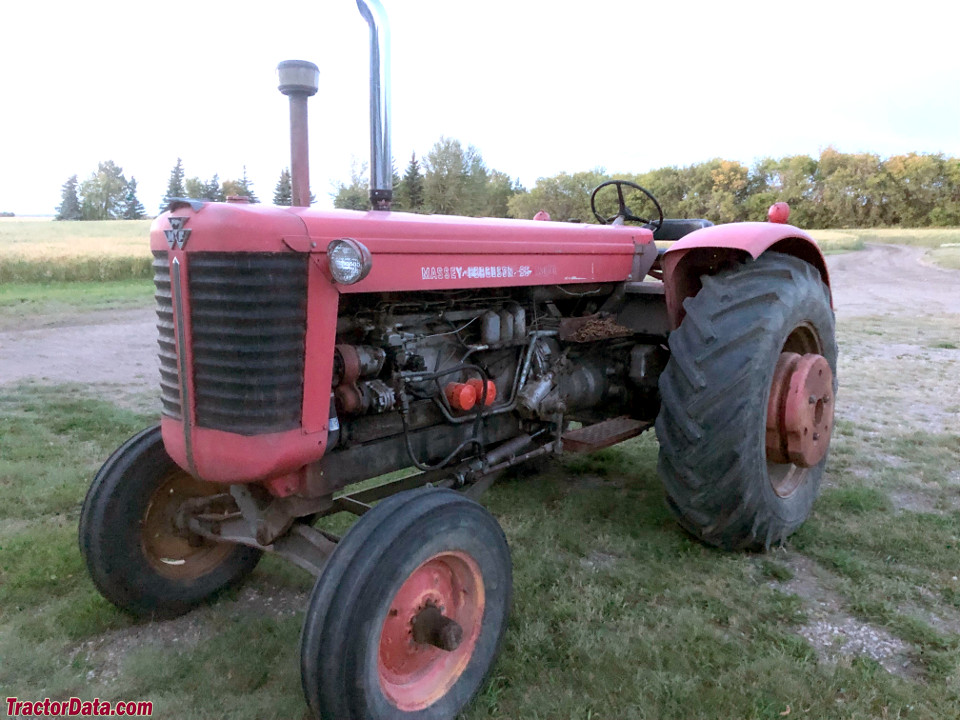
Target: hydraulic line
[(477, 425), (481, 405)]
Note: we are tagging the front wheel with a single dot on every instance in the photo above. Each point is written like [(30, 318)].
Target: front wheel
[(747, 403), (409, 613), (136, 555)]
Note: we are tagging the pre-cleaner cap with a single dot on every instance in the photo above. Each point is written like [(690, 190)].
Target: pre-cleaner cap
[(298, 77)]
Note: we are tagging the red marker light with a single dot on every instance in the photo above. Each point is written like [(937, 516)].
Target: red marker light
[(779, 213)]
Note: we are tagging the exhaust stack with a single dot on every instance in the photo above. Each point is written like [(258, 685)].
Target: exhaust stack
[(299, 79), (381, 166)]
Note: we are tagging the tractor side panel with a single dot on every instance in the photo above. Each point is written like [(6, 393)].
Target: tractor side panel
[(706, 251)]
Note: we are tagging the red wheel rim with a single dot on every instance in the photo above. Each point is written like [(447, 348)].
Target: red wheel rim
[(800, 410), (802, 371), (173, 553), (415, 675)]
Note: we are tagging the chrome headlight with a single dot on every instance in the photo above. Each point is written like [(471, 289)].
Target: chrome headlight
[(350, 261)]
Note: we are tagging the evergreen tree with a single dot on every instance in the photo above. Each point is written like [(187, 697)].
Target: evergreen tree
[(411, 187), (175, 188), (399, 201), (210, 190), (69, 202), (132, 208), (283, 193), (246, 187), (213, 191)]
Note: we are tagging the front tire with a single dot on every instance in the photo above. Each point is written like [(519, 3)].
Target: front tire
[(136, 557), (417, 552), (723, 480)]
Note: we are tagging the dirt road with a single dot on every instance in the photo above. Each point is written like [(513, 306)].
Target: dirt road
[(120, 347), (891, 280), (101, 347)]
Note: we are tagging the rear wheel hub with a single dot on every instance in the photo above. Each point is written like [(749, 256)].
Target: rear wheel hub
[(800, 410)]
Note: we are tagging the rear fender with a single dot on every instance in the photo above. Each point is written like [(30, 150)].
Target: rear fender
[(712, 249)]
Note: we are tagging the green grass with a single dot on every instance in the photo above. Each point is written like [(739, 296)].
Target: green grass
[(948, 257), (836, 241), (919, 237), (617, 613), (18, 269), (29, 303)]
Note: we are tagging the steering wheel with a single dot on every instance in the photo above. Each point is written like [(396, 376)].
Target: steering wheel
[(623, 212)]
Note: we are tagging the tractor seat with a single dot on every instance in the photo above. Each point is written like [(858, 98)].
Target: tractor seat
[(676, 228)]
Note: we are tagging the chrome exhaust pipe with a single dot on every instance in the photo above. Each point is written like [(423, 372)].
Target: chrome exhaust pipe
[(381, 165)]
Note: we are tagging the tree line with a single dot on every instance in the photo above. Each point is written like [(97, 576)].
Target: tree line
[(105, 195), (108, 195), (833, 190), (212, 190), (453, 180)]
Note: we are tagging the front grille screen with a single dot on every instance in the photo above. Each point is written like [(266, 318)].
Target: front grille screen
[(169, 377)]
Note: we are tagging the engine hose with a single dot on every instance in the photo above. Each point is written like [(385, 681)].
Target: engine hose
[(477, 424), (421, 376), (425, 466)]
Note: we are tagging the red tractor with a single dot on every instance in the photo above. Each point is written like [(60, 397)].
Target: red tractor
[(304, 351)]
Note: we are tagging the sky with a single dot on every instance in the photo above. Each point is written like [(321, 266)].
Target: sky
[(538, 87)]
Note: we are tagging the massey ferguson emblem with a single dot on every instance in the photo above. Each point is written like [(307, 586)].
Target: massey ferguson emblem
[(177, 235)]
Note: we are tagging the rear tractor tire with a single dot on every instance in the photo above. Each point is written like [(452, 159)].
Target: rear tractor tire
[(137, 557), (408, 616), (747, 403)]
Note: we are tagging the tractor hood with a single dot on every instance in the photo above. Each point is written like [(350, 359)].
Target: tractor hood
[(410, 251)]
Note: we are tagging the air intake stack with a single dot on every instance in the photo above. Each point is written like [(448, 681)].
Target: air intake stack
[(299, 79)]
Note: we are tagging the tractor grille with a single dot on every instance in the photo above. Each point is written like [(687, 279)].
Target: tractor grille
[(169, 377), (248, 315)]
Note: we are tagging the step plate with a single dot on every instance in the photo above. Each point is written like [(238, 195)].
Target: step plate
[(603, 434)]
